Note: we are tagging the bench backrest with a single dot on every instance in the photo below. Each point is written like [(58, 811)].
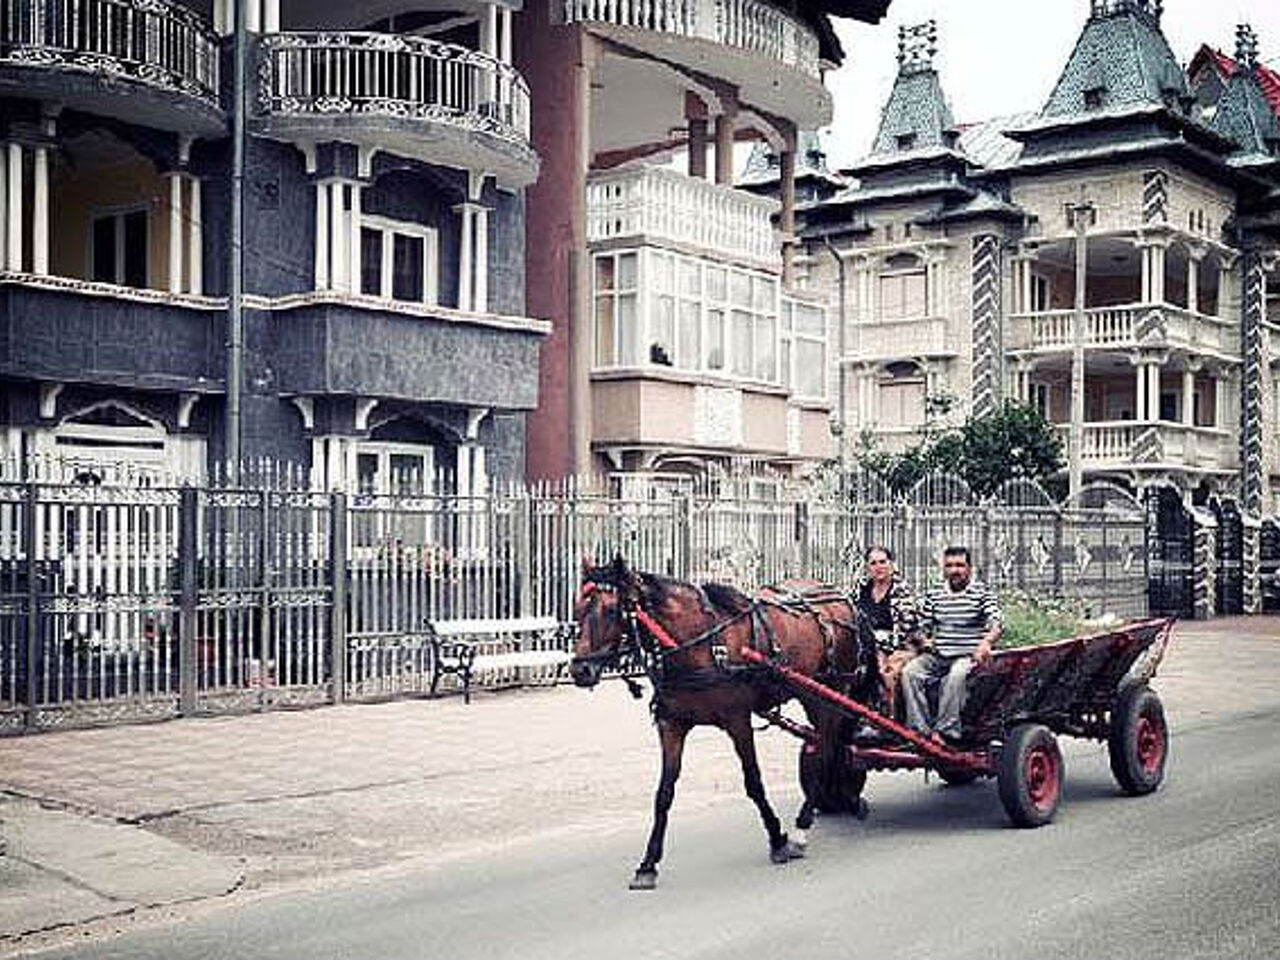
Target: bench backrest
[(504, 626)]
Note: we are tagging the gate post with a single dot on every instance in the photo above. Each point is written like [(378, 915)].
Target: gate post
[(188, 507), (684, 534), (1251, 563), (1058, 522), (1204, 563), (29, 508), (338, 597), (801, 535)]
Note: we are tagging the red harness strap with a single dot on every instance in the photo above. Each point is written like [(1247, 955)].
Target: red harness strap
[(665, 640)]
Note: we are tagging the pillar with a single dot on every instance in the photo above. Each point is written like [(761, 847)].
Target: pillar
[(253, 14), (271, 16), (175, 231), (195, 240), (1193, 282), (465, 268), (504, 41), (1140, 391), (695, 112), (1153, 390), (15, 208), (1188, 397), (725, 124), (40, 213), (4, 207), (788, 215), (322, 236), (355, 248), (339, 265)]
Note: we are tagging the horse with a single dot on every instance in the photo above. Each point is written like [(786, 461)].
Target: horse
[(689, 640)]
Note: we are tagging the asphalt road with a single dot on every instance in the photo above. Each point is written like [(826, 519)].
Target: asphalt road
[(1191, 871)]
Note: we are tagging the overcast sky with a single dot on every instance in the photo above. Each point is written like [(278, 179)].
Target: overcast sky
[(1000, 57)]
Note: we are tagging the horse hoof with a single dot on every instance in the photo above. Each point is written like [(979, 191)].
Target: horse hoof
[(786, 853), (644, 880), (862, 809)]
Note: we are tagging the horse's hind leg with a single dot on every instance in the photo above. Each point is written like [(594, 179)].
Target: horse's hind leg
[(671, 734), (739, 729)]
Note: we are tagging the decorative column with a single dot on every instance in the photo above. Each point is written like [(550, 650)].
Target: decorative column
[(466, 243), (270, 16), (1252, 373), (175, 231), (504, 35), (695, 112), (787, 219), (355, 247), (1153, 250), (726, 122), (195, 240), (322, 236), (339, 263), (1189, 393), (253, 14), (986, 378), (4, 207), (480, 284), (1195, 257), (1139, 388), (40, 212), (14, 224)]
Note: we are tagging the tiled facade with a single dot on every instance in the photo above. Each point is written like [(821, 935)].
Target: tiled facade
[(960, 250)]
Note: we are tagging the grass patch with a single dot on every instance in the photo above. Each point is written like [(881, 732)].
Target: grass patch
[(1034, 620)]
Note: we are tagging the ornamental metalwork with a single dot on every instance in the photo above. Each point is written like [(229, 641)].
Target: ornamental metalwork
[(395, 76), (158, 43)]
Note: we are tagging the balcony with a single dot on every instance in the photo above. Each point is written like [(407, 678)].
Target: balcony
[(657, 204), (1128, 444), (339, 343), (899, 339), (681, 411), (1125, 327), (152, 62), (436, 102), (58, 328), (772, 56)]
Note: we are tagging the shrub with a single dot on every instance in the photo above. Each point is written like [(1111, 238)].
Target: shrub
[(1031, 620)]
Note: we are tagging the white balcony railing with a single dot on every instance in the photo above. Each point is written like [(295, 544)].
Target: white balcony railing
[(658, 203), (1128, 325), (886, 339), (381, 74), (156, 42), (1124, 443), (749, 25)]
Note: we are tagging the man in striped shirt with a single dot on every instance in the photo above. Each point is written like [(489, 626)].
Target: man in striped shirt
[(963, 619)]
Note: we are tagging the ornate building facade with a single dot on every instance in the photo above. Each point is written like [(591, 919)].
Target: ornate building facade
[(385, 328), (963, 246)]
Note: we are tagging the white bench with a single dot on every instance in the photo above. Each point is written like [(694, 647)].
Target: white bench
[(458, 647)]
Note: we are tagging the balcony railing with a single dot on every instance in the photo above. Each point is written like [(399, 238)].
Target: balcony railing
[(1129, 325), (1125, 443), (372, 74), (658, 203), (156, 42), (887, 339), (749, 25)]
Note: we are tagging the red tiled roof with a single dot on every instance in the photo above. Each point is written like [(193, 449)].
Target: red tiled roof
[(1268, 79)]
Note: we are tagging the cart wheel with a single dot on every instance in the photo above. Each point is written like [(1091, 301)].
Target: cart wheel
[(954, 777), (1139, 740), (1030, 775), (832, 788)]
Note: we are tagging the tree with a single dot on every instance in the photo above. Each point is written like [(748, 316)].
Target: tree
[(1010, 442)]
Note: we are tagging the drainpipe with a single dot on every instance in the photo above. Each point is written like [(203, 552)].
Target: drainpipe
[(841, 424), (235, 316)]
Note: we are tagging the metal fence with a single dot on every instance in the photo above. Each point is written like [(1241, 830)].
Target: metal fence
[(123, 602)]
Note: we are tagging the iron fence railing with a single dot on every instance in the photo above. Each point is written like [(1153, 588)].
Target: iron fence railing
[(125, 602), (158, 42)]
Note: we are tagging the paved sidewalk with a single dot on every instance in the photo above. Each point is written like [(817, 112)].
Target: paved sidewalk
[(111, 821)]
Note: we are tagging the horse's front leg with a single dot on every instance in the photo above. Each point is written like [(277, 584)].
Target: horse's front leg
[(739, 729), (671, 735)]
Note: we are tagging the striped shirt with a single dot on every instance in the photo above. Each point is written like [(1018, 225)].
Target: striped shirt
[(957, 620)]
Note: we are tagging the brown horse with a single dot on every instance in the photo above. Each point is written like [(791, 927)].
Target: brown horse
[(688, 640)]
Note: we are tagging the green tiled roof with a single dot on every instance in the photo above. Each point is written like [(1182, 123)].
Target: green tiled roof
[(1121, 60), (916, 116), (1244, 116)]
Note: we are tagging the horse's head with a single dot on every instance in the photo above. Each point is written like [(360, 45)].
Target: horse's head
[(607, 593)]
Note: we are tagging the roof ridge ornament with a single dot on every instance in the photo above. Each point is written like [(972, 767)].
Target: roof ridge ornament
[(1246, 47), (1109, 8), (917, 46)]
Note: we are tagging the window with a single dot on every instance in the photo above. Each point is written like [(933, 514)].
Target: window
[(662, 309), (615, 309), (1040, 293), (902, 396), (1040, 399), (119, 248), (398, 261), (902, 295), (804, 350)]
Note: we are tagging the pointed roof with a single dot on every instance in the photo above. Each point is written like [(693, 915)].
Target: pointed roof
[(1244, 115), (917, 117), (764, 167), (1120, 62)]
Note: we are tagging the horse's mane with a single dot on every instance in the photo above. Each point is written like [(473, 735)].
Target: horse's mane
[(726, 598)]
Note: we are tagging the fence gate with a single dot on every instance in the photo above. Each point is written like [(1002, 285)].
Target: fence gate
[(1230, 581), (1169, 566), (1269, 566)]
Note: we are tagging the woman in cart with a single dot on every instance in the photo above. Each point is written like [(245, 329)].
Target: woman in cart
[(890, 610)]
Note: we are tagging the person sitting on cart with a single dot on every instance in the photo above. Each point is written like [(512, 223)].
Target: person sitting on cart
[(890, 609), (962, 618)]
